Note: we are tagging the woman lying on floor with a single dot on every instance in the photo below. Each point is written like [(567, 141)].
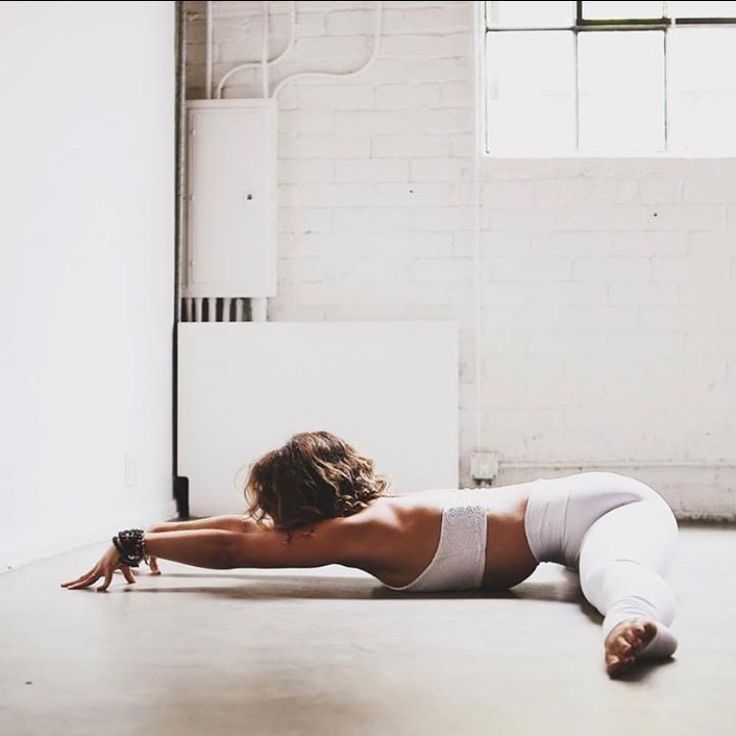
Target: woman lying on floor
[(316, 501)]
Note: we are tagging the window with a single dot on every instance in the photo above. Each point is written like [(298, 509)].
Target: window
[(609, 78)]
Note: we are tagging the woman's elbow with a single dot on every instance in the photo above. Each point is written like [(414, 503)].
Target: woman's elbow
[(234, 551)]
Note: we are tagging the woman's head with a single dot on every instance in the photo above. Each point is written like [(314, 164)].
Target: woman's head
[(315, 475)]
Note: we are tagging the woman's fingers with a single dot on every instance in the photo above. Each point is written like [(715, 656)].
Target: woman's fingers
[(81, 577), (153, 564), (108, 579), (86, 581), (105, 568)]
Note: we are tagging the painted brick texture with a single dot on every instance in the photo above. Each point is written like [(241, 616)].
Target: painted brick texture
[(608, 287)]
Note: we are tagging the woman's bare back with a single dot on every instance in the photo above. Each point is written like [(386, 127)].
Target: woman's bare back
[(401, 534)]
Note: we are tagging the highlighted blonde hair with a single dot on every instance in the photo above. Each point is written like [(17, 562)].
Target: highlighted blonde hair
[(314, 476)]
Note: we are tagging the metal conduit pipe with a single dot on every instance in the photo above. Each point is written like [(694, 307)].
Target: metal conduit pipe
[(254, 64), (344, 75), (209, 30)]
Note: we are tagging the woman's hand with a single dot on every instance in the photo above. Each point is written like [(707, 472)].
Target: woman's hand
[(152, 561), (153, 564), (109, 562)]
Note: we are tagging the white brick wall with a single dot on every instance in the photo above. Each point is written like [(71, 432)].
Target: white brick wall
[(608, 286)]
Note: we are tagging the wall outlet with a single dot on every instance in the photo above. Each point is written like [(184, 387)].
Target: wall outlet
[(484, 465), (131, 470)]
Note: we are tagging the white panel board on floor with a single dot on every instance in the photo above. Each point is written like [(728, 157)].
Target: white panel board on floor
[(388, 388)]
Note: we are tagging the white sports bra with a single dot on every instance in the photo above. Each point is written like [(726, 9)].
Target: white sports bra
[(460, 559)]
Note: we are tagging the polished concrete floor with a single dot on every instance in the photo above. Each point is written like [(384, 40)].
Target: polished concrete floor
[(332, 652)]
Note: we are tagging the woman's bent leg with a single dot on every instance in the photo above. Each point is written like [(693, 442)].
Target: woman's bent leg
[(561, 510), (624, 558)]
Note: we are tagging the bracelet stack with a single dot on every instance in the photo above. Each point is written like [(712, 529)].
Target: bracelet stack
[(129, 543)]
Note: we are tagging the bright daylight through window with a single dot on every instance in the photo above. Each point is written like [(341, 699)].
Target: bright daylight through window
[(609, 78)]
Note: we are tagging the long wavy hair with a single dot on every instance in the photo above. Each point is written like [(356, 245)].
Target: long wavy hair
[(314, 476)]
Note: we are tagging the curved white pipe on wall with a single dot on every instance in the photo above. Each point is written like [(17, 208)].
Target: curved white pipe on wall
[(254, 64), (344, 75), (477, 309), (208, 50), (264, 50)]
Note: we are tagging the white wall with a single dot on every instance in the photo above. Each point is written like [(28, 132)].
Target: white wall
[(608, 286), (86, 281)]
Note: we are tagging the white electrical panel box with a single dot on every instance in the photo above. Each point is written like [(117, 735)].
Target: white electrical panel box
[(232, 198)]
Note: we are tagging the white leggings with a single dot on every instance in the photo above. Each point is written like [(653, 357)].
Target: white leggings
[(620, 535)]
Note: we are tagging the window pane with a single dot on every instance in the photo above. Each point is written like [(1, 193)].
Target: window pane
[(510, 14), (622, 10), (701, 9), (701, 86), (531, 93), (621, 92)]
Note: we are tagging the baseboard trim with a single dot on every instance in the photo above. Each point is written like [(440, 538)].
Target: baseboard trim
[(100, 531)]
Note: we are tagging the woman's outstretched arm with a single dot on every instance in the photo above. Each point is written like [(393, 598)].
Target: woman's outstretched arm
[(230, 523), (329, 542), (210, 548)]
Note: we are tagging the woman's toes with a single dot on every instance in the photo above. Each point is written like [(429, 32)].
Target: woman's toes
[(639, 632), (650, 629), (615, 665), (646, 631)]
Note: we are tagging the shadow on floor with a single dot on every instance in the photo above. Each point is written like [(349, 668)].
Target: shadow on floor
[(250, 586)]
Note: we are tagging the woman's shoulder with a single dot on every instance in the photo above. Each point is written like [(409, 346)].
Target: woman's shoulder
[(380, 533), (394, 531), (396, 509)]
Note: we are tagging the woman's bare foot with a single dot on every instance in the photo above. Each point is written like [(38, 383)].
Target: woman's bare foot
[(625, 641)]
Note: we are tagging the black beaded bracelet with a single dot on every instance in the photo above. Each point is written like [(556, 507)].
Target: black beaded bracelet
[(131, 546)]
